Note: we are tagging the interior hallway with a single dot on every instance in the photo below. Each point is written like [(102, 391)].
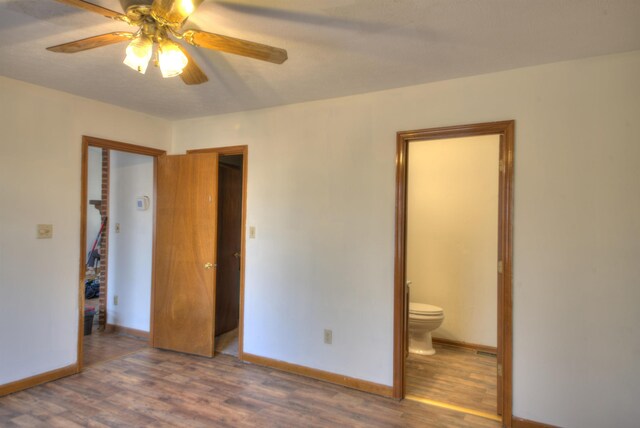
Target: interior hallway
[(151, 387)]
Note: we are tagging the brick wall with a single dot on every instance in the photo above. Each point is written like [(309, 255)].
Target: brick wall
[(104, 242)]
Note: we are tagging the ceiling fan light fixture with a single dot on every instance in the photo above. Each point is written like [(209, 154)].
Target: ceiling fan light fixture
[(171, 59), (139, 53), (156, 22)]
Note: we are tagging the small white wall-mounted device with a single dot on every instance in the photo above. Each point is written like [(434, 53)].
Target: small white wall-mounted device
[(142, 203), (44, 231)]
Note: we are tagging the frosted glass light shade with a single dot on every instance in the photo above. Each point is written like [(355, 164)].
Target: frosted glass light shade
[(171, 59), (139, 53)]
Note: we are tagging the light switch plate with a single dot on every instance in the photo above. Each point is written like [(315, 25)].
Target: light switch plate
[(252, 232), (44, 231)]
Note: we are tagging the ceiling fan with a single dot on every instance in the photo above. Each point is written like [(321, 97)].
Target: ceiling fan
[(160, 22)]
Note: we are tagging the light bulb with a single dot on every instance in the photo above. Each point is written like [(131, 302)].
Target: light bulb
[(171, 59), (139, 53), (187, 6)]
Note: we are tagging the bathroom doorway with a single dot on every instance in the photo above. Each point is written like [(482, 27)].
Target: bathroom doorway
[(453, 268)]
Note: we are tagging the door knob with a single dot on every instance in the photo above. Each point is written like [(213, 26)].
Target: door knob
[(236, 255), (208, 265)]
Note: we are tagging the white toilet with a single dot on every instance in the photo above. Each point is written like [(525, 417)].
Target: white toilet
[(423, 319)]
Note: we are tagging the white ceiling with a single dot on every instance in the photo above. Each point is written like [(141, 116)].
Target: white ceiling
[(336, 47)]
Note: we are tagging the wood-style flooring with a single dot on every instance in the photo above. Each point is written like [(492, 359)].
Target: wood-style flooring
[(454, 376), (100, 346), (154, 388)]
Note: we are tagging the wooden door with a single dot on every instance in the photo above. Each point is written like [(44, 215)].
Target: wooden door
[(184, 287), (229, 239)]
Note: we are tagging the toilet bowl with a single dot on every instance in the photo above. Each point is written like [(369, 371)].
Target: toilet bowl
[(423, 319)]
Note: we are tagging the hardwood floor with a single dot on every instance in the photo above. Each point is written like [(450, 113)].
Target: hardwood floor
[(454, 376), (100, 346), (158, 388)]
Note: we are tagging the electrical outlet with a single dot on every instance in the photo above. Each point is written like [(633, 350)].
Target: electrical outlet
[(115, 300), (117, 227), (328, 336)]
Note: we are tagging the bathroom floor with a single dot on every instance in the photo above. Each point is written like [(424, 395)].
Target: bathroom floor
[(454, 376)]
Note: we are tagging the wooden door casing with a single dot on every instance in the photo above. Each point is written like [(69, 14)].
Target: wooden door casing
[(506, 130)]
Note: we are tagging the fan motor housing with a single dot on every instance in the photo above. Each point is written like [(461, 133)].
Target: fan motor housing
[(126, 4)]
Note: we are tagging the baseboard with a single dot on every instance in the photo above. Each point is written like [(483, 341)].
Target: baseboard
[(112, 328), (349, 382), (459, 344), (19, 385), (525, 423)]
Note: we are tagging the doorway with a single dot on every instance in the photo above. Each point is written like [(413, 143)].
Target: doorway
[(118, 182), (229, 244), (468, 353), (184, 207), (230, 266)]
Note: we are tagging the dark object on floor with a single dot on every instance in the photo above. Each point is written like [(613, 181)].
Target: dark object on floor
[(94, 255), (89, 312), (94, 258), (92, 288)]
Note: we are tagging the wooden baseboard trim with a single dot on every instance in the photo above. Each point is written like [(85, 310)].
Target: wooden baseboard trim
[(19, 385), (525, 423), (466, 345), (112, 328), (349, 382)]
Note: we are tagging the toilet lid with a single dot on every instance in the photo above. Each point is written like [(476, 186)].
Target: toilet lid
[(423, 308)]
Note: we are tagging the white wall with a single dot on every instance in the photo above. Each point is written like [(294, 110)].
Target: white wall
[(40, 159), (452, 233), (130, 250), (321, 194), (94, 192)]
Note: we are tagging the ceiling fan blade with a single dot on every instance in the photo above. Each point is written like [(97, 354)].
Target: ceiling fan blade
[(192, 74), (108, 13), (91, 42), (173, 12), (235, 46)]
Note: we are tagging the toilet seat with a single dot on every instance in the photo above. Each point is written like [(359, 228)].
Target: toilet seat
[(424, 309)]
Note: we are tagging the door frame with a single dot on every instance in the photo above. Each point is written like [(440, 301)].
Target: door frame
[(244, 151), (505, 130), (101, 143)]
